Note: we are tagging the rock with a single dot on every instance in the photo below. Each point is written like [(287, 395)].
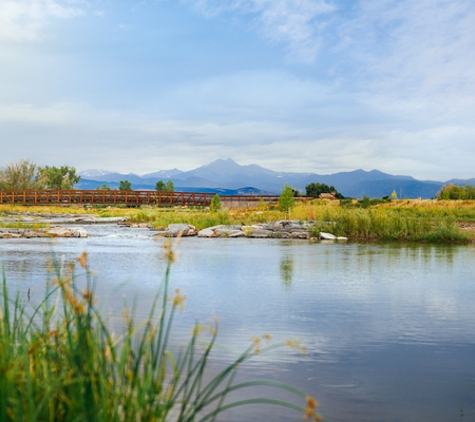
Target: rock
[(9, 235), (327, 236), (209, 232), (184, 229), (66, 232), (342, 238), (174, 230), (79, 232), (300, 235), (260, 233)]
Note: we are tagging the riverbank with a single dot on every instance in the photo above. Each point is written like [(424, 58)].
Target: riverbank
[(402, 220)]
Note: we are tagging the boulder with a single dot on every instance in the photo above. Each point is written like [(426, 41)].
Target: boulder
[(327, 236), (209, 232), (79, 232), (260, 233), (184, 229)]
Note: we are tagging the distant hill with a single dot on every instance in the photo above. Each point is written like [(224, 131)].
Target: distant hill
[(228, 176)]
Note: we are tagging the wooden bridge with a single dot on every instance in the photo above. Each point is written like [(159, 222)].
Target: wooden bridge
[(129, 198)]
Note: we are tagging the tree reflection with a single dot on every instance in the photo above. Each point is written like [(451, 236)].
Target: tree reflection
[(286, 271)]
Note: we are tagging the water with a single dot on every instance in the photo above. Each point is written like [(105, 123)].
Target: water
[(389, 328)]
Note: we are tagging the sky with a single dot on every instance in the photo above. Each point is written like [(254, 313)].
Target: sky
[(317, 86)]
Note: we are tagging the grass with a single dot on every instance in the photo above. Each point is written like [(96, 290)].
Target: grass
[(400, 220), (21, 225), (61, 361)]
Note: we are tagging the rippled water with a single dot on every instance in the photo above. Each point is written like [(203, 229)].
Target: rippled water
[(389, 328)]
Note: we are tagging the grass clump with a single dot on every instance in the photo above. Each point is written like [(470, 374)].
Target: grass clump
[(60, 361)]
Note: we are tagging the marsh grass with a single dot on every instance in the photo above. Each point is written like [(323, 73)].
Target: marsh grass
[(61, 361), (411, 220), (21, 225), (387, 223)]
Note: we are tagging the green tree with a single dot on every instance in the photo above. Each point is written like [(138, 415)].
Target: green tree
[(316, 189), (170, 187), (286, 199), (215, 204), (63, 177), (456, 192), (19, 175), (160, 185), (165, 187), (125, 185), (103, 187)]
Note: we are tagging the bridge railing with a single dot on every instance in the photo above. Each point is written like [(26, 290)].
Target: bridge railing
[(124, 197)]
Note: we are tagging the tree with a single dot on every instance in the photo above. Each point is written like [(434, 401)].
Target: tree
[(215, 204), (165, 187), (316, 189), (103, 187), (286, 199), (456, 192), (18, 176), (125, 185), (160, 185), (63, 177), (170, 186)]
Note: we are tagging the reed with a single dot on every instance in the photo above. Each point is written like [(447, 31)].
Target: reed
[(21, 225), (61, 361), (388, 223)]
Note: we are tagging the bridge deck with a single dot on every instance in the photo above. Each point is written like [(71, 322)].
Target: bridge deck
[(121, 197)]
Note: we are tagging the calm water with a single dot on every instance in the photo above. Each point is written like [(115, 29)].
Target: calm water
[(389, 328)]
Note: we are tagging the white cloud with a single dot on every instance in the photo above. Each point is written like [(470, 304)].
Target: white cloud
[(297, 23), (416, 52), (25, 20)]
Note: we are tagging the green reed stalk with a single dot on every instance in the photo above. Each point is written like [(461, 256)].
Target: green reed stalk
[(61, 362)]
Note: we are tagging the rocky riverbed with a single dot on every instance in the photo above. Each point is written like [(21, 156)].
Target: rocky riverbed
[(285, 229), (7, 233), (55, 224)]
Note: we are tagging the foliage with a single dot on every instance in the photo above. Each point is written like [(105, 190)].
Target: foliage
[(215, 204), (170, 186), (316, 189), (456, 192), (63, 177), (125, 185), (365, 202), (286, 199), (165, 187), (19, 175), (60, 361), (103, 187)]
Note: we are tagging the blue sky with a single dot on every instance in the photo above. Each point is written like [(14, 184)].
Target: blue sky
[(292, 85)]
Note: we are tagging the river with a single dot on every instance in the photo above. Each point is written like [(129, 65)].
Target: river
[(389, 328)]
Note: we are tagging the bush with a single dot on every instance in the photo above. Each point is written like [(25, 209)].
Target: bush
[(215, 204)]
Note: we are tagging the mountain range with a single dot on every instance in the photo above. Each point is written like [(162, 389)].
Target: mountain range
[(226, 177)]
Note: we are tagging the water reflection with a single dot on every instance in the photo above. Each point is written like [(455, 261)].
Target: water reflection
[(286, 271), (389, 328)]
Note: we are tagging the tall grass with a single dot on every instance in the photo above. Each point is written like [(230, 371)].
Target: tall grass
[(388, 224), (412, 220), (61, 361)]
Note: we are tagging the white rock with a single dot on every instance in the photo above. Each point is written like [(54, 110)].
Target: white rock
[(79, 232), (327, 236), (209, 232)]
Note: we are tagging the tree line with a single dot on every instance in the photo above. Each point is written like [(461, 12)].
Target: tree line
[(25, 175), (452, 191)]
